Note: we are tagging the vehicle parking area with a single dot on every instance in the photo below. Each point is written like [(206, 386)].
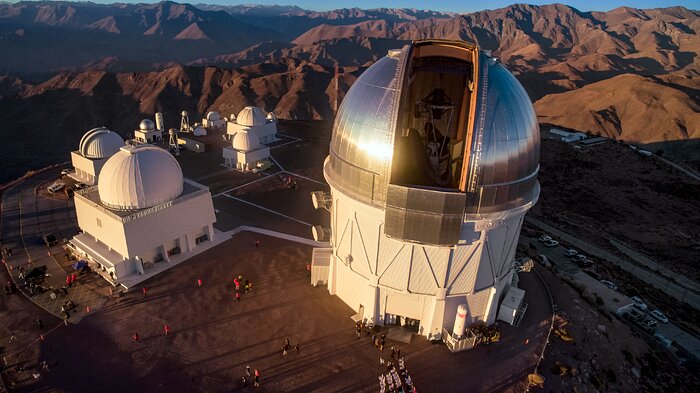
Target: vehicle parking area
[(590, 273)]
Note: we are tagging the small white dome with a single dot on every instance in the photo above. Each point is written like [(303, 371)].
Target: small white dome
[(138, 177), (232, 117), (271, 116), (213, 116), (100, 143), (251, 116), (147, 125), (184, 113), (246, 141)]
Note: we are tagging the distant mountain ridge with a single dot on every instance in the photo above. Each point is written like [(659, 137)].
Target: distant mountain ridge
[(583, 70)]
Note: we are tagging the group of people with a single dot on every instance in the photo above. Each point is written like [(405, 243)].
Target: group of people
[(242, 285), (287, 347), (255, 375), (67, 307), (396, 381)]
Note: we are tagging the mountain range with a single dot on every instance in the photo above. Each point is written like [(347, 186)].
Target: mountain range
[(627, 73)]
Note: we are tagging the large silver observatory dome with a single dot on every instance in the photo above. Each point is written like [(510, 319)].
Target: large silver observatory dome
[(437, 128)]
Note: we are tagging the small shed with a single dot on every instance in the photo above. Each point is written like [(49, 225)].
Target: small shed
[(511, 306)]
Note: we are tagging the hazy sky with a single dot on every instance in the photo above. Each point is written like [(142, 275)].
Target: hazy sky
[(441, 5)]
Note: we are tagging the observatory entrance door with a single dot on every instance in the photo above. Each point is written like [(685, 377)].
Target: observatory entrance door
[(403, 321), (403, 311)]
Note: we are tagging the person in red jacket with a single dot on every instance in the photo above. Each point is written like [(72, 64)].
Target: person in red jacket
[(73, 278), (136, 337), (68, 281), (166, 330), (144, 291)]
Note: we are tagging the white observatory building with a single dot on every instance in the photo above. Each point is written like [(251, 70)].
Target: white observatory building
[(252, 118), (246, 151), (148, 133), (142, 217), (214, 120), (95, 147), (432, 166)]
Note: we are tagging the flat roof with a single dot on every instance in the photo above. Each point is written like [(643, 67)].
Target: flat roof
[(513, 298), (189, 189)]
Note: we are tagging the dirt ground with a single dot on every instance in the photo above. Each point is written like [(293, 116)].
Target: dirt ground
[(608, 190), (605, 354)]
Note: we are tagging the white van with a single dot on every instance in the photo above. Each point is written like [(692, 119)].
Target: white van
[(55, 187)]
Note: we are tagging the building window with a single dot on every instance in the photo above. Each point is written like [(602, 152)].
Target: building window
[(99, 223)]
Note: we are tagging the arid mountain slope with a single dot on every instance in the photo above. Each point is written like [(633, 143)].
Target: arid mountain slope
[(43, 122), (629, 107)]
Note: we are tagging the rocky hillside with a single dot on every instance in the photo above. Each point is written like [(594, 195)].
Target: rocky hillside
[(628, 107), (628, 73)]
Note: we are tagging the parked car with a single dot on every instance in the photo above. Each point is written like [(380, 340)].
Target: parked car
[(66, 171), (609, 284), (578, 257), (544, 238), (639, 303), (570, 252), (650, 323), (659, 316), (55, 187), (80, 186), (543, 260), (663, 340), (49, 239), (551, 243), (634, 314)]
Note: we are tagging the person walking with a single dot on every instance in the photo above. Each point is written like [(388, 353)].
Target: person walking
[(257, 378), (237, 283), (199, 282), (238, 296), (136, 337), (244, 381), (381, 342), (68, 282), (166, 330), (73, 278), (144, 291), (257, 243), (39, 324), (247, 371), (296, 348), (12, 337)]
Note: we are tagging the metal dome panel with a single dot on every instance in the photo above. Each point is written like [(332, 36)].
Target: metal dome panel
[(363, 133), (139, 177), (100, 143), (251, 116), (502, 145), (506, 146), (246, 141)]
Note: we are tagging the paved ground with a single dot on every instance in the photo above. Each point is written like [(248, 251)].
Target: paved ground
[(213, 338), (679, 291), (26, 216)]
